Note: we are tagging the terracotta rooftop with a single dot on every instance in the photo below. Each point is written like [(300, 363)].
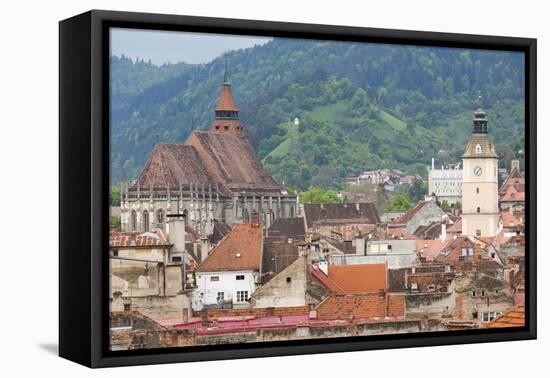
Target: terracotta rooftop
[(241, 249), (429, 249), (338, 213), (277, 255), (170, 165), (231, 161), (362, 306), (136, 239), (361, 278), (399, 233), (226, 101), (514, 317)]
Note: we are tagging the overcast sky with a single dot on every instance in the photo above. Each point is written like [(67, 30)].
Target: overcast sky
[(174, 47)]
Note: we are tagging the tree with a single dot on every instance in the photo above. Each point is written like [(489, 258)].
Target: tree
[(114, 196), (319, 195), (400, 202), (417, 190)]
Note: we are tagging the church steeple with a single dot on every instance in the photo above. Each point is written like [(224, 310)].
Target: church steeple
[(226, 113), (480, 120)]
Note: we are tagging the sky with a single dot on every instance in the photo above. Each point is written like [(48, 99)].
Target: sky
[(175, 47)]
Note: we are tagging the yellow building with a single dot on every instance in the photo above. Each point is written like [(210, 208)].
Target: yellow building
[(480, 182)]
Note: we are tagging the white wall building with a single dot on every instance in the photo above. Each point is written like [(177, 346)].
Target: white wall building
[(445, 183)]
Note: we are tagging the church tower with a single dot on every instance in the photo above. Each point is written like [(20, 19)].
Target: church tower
[(480, 215), (227, 112)]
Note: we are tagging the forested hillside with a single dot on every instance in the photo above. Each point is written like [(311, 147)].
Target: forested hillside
[(360, 106)]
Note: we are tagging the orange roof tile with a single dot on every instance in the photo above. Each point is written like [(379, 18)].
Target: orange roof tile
[(226, 100), (399, 233), (241, 249), (515, 317), (136, 239), (430, 248), (361, 278)]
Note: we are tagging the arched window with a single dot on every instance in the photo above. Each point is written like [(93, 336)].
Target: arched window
[(160, 216), (478, 209), (478, 149), (133, 221), (145, 221)]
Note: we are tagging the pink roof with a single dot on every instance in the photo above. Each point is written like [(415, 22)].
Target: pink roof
[(429, 249)]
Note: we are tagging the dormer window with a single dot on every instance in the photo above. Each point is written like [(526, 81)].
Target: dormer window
[(478, 149)]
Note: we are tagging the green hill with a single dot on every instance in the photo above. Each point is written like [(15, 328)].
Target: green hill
[(360, 106)]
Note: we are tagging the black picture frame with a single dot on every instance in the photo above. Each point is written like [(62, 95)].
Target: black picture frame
[(84, 178)]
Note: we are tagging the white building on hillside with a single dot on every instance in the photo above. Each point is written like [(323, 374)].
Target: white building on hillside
[(445, 183)]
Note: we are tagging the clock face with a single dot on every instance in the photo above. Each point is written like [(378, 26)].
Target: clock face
[(477, 171)]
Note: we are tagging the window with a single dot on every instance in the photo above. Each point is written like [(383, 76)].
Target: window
[(242, 296), (145, 221), (478, 149), (115, 253), (474, 315), (482, 293), (473, 293), (490, 315), (160, 216), (477, 190), (478, 232), (219, 297), (226, 127), (217, 127), (134, 221), (176, 258), (214, 279), (288, 280), (239, 277), (478, 209)]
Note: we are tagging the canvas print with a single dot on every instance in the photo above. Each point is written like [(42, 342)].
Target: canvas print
[(267, 189)]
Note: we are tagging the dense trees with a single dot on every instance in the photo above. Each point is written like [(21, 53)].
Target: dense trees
[(360, 106)]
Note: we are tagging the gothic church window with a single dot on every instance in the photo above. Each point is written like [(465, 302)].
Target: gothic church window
[(134, 221), (145, 221), (160, 216)]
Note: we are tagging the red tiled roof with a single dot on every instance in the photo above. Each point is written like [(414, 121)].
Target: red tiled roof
[(136, 239), (510, 219), (231, 160), (457, 227), (399, 233), (341, 213), (429, 249), (513, 188), (226, 100), (360, 278), (241, 249), (514, 317), (362, 306)]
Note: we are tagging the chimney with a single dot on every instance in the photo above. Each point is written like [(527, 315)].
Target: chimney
[(205, 248), (255, 221), (323, 267), (443, 231), (176, 233)]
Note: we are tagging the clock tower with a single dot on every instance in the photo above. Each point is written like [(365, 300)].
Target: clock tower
[(480, 215)]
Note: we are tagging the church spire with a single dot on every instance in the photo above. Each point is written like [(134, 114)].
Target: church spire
[(226, 113), (480, 120)]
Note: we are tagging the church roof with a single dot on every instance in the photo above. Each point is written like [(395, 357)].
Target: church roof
[(487, 148), (226, 101), (231, 161), (171, 165)]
